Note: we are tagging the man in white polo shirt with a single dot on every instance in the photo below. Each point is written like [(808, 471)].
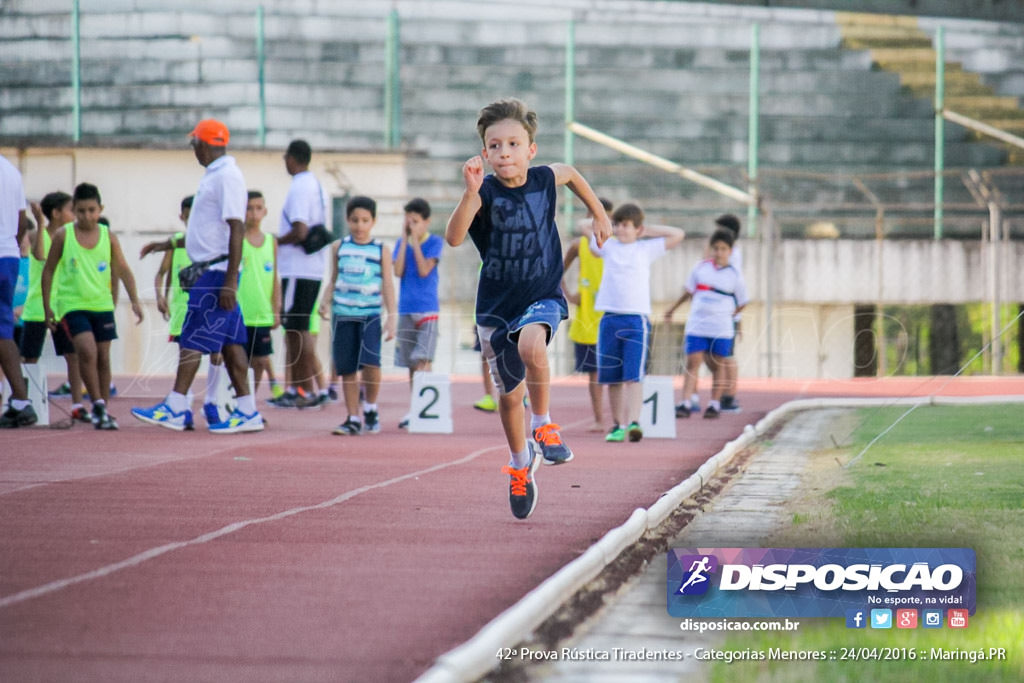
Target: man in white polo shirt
[(213, 322), (13, 226), (301, 272)]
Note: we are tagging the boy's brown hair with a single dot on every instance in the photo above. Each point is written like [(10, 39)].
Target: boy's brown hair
[(510, 108), (629, 212)]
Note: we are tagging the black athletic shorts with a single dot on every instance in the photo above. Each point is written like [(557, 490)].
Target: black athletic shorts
[(298, 302)]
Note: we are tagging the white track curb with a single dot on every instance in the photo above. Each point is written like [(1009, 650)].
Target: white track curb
[(476, 657)]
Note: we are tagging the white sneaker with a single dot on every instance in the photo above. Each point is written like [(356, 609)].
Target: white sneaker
[(239, 422)]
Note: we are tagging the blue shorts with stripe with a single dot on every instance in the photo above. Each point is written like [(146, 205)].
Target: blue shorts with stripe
[(208, 327), (622, 347), (718, 347)]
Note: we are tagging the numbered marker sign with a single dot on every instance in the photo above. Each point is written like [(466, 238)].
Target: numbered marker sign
[(658, 413), (430, 411), (35, 380)]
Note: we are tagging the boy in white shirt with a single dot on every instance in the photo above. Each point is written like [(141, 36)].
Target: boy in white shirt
[(625, 299), (718, 293)]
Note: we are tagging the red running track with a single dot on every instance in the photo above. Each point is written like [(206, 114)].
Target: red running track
[(295, 555)]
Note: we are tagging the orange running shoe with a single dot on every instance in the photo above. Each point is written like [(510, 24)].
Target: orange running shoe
[(522, 489), (550, 442)]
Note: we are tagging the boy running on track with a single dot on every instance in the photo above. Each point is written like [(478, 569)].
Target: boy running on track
[(510, 216)]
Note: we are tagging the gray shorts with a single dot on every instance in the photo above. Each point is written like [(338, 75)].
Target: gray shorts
[(416, 340)]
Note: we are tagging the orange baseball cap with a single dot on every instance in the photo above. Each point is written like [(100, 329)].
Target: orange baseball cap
[(212, 132)]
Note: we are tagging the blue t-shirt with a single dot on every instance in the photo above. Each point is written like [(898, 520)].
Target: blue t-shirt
[(517, 238), (419, 294)]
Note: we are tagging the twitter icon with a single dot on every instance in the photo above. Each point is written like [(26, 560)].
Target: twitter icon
[(881, 618)]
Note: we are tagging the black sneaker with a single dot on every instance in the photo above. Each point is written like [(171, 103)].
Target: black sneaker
[(332, 394), (350, 427), (316, 402), (101, 418), (285, 400), (634, 432), (729, 405), (522, 488), (12, 418), (683, 409), (710, 413), (372, 422)]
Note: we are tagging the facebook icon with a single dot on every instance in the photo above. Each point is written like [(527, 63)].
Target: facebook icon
[(856, 618)]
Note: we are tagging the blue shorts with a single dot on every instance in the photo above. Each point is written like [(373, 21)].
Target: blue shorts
[(622, 347), (100, 324), (208, 327), (8, 280), (356, 343), (586, 357), (500, 345), (720, 347)]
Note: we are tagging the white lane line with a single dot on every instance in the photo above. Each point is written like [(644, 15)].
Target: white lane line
[(148, 461), (224, 531)]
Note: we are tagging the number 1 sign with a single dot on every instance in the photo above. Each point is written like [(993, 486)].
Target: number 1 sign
[(658, 414)]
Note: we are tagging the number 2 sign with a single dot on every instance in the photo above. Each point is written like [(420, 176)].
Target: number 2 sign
[(430, 411)]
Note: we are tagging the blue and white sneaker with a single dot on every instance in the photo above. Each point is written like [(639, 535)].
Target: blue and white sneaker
[(162, 415), (239, 422), (212, 414)]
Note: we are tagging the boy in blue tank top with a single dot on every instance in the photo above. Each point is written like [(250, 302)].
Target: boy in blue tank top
[(510, 216), (362, 275)]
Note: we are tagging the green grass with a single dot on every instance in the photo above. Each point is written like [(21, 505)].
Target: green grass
[(945, 476)]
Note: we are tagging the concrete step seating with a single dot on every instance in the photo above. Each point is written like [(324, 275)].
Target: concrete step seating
[(670, 77)]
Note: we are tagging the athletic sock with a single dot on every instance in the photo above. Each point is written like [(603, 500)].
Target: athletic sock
[(247, 404), (176, 402), (369, 407), (714, 404), (213, 375), (520, 460), (20, 403), (539, 420)]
